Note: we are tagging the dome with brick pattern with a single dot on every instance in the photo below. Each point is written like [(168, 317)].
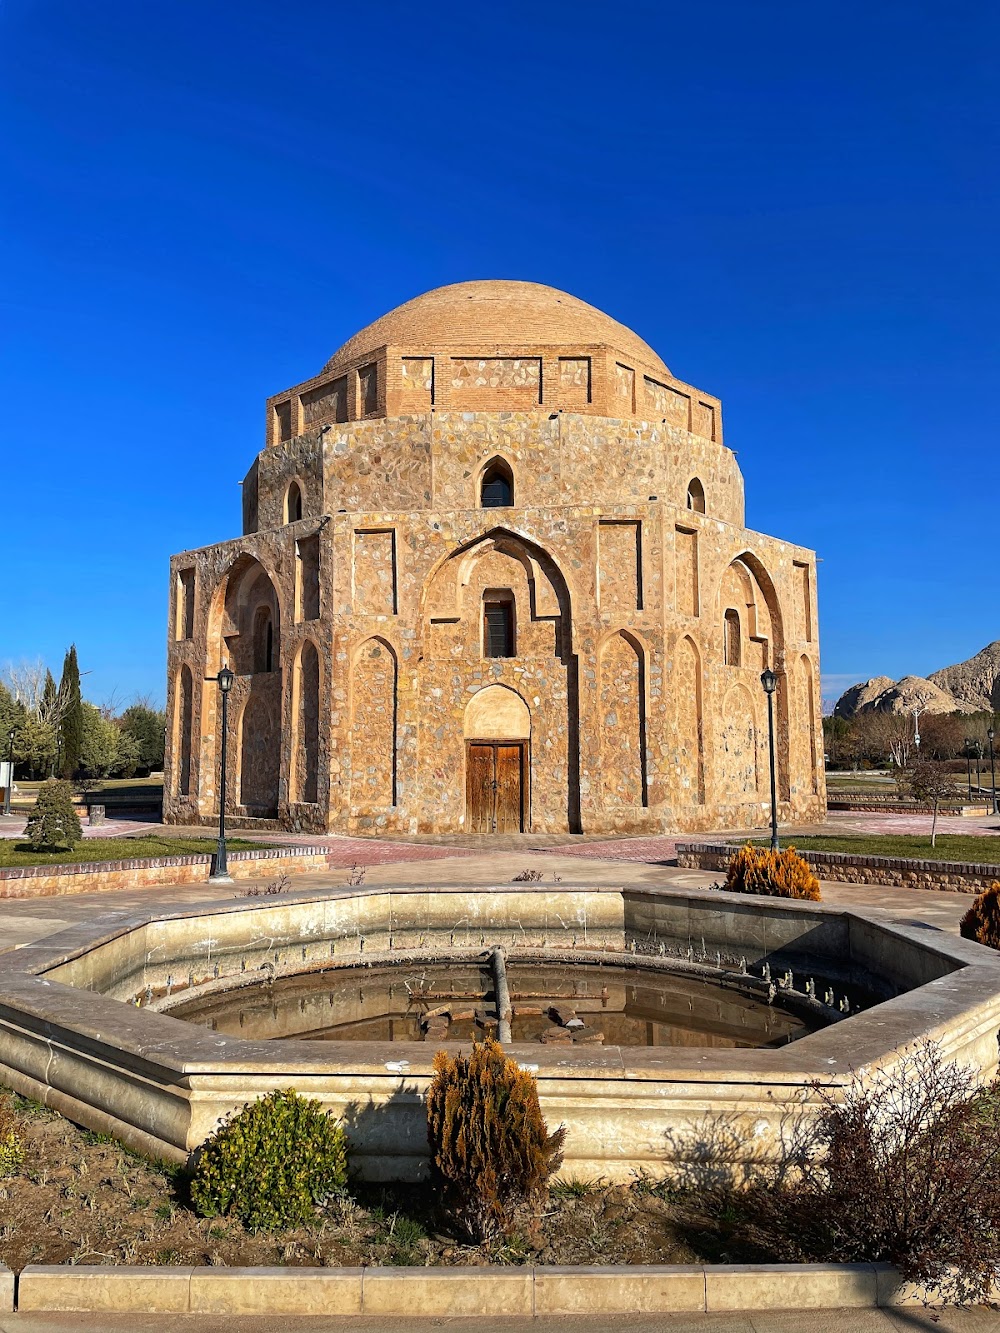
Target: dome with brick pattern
[(496, 315)]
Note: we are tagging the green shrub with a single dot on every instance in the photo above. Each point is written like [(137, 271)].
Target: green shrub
[(53, 822), (271, 1163), (781, 874), (491, 1152), (982, 921)]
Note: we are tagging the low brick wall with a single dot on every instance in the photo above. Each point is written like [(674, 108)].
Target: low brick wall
[(150, 872), (892, 871), (887, 804)]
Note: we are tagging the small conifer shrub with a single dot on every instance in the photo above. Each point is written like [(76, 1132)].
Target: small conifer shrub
[(982, 921), (271, 1163), (781, 874), (491, 1151), (11, 1143), (53, 822)]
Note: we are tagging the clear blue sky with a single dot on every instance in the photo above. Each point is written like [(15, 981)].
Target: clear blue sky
[(796, 204)]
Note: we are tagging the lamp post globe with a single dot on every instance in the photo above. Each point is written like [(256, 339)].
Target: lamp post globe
[(769, 681)]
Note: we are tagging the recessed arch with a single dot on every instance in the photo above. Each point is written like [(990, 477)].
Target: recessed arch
[(183, 721), (496, 485), (497, 713), (306, 683), (622, 671), (374, 671), (293, 503), (696, 496)]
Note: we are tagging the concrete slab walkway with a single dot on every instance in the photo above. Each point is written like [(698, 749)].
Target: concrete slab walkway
[(910, 1319)]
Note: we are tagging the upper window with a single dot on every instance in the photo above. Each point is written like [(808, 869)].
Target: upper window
[(498, 486), (293, 503), (696, 496), (263, 640), (732, 641), (498, 625)]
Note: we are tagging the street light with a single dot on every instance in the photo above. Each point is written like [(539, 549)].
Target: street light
[(220, 871), (770, 683), (10, 770), (993, 769), (968, 762)]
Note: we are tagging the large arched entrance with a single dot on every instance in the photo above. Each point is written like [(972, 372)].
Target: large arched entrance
[(497, 736)]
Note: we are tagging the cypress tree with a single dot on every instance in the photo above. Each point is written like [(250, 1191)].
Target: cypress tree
[(47, 705), (71, 718)]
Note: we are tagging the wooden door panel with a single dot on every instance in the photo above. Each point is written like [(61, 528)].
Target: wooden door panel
[(479, 795), (508, 796)]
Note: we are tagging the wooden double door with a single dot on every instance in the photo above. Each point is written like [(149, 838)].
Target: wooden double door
[(494, 788)]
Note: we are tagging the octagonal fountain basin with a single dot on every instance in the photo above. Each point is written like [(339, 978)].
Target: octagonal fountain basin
[(671, 1030)]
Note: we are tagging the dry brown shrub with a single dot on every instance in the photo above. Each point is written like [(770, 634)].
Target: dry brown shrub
[(781, 874), (491, 1151), (982, 921)]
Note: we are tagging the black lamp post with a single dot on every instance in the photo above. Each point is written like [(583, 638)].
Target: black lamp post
[(10, 770), (968, 762), (770, 683), (220, 871), (993, 769)]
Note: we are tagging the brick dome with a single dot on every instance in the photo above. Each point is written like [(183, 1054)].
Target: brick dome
[(495, 314)]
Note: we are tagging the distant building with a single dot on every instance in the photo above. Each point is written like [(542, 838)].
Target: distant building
[(493, 576)]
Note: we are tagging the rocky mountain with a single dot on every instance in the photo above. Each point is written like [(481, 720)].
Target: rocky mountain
[(976, 681), (968, 687)]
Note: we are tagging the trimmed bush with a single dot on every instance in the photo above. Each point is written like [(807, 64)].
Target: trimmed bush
[(271, 1163), (53, 822), (982, 921), (491, 1152), (780, 874), (11, 1144)]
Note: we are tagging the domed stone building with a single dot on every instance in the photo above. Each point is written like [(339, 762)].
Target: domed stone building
[(494, 576)]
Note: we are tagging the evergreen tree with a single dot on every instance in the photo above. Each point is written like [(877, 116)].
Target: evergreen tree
[(50, 695), (71, 716), (145, 725), (53, 822)]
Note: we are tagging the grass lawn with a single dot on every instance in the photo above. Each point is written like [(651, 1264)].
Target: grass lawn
[(950, 846), (16, 853)]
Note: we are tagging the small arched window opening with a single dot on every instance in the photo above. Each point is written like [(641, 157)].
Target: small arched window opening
[(263, 640), (732, 648), (696, 496), (499, 629), (497, 487), (293, 503)]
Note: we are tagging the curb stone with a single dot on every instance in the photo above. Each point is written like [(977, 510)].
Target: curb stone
[(486, 1291)]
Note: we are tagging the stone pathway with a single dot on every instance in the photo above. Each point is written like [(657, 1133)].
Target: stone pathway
[(908, 1319)]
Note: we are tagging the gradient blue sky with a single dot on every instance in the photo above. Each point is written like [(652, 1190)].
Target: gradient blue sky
[(796, 204)]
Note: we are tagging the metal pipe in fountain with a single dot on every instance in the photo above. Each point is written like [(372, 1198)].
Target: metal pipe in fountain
[(498, 963)]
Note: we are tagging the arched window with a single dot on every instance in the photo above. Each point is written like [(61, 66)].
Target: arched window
[(731, 646), (293, 503), (263, 640), (497, 487), (498, 623), (696, 496)]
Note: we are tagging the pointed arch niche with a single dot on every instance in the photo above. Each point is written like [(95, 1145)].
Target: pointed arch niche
[(305, 716), (244, 633), (183, 721), (623, 721), (689, 723), (373, 726)]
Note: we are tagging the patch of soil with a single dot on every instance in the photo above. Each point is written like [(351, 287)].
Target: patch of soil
[(83, 1198)]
